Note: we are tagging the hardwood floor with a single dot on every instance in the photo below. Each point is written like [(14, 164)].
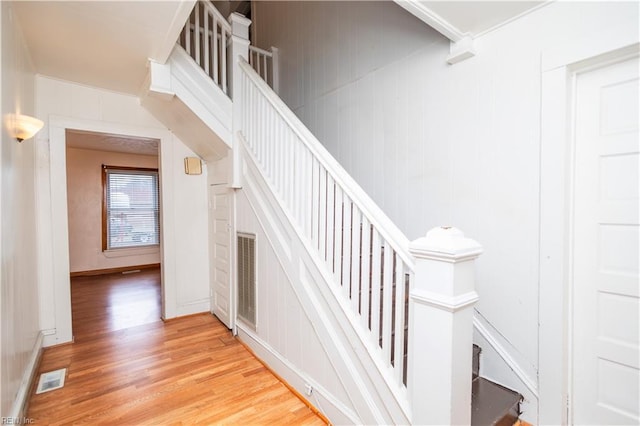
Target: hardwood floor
[(126, 366)]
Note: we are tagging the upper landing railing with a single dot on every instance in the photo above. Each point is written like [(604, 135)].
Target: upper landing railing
[(207, 37)]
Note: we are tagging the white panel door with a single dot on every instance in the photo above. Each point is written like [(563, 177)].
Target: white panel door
[(605, 256), (220, 213)]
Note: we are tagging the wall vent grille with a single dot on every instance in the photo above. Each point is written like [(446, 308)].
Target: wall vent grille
[(247, 278)]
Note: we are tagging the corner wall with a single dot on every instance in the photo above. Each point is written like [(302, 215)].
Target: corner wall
[(18, 245), (435, 144)]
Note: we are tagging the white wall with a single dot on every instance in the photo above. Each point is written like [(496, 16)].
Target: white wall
[(184, 249), (284, 335), (84, 201), (18, 254), (435, 144)]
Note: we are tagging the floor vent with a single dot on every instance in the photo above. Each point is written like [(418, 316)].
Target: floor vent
[(247, 278), (51, 381)]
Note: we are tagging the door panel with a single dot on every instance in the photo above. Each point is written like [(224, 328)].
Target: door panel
[(220, 213), (605, 259)]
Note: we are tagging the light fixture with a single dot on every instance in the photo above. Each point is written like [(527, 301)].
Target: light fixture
[(23, 126)]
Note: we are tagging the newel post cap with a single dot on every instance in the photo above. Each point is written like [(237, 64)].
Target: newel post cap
[(445, 243)]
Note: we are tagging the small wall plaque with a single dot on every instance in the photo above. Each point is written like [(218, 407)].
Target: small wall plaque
[(192, 166)]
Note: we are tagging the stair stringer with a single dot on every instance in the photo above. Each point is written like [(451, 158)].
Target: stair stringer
[(360, 375), (185, 99)]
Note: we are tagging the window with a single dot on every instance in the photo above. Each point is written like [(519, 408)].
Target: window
[(130, 207)]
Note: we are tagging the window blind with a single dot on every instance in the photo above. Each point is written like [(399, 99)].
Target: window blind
[(131, 208)]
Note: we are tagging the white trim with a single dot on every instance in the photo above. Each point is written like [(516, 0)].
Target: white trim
[(528, 381), (321, 398), (175, 28), (429, 17), (599, 43), (17, 408), (194, 307), (131, 251), (559, 66), (449, 304), (461, 50)]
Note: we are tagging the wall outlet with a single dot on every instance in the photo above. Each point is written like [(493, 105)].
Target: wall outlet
[(308, 389)]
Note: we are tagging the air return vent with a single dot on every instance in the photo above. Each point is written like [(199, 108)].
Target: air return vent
[(51, 380), (247, 278)]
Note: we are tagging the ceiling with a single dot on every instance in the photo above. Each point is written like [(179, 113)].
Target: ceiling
[(114, 143), (107, 44), (101, 43), (458, 19)]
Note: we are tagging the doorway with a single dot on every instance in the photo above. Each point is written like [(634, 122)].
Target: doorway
[(562, 216), (114, 224), (56, 298), (604, 277)]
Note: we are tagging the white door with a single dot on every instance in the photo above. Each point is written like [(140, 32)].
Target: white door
[(605, 362), (220, 213)]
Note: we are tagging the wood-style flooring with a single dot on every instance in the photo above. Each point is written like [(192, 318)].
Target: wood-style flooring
[(128, 367)]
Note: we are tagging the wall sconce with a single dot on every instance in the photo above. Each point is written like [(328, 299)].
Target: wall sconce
[(23, 127)]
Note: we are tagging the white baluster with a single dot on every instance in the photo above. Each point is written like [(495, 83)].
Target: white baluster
[(207, 46), (275, 75), (337, 235), (398, 347), (356, 221), (264, 66), (365, 272), (223, 61), (346, 246), (187, 38), (387, 293), (196, 33), (215, 41), (376, 258), (322, 219), (330, 232)]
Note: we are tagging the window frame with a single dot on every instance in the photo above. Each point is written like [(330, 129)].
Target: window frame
[(138, 170)]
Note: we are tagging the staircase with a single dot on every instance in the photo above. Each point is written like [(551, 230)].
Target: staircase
[(491, 404), (392, 318)]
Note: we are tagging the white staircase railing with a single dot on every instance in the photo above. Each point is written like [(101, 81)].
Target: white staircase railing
[(410, 303), (364, 251), (206, 38), (265, 63)]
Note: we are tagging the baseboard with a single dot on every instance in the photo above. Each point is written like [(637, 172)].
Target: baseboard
[(19, 406), (194, 307), (329, 406), (120, 269)]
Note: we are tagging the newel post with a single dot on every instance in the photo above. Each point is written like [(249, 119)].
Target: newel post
[(239, 51), (441, 303)]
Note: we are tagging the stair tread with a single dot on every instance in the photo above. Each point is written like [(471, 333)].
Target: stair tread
[(492, 404)]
